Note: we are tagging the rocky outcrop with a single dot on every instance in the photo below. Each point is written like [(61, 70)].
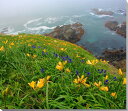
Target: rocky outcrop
[(115, 57), (71, 33), (121, 29), (101, 12), (118, 28), (112, 25)]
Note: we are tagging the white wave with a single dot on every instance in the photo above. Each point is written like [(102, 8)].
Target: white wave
[(51, 20), (100, 9), (70, 21), (31, 21), (119, 25), (100, 16), (40, 27), (91, 13)]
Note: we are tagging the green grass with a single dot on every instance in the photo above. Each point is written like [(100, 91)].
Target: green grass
[(17, 70)]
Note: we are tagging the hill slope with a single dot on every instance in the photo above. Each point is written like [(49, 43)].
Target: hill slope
[(40, 72)]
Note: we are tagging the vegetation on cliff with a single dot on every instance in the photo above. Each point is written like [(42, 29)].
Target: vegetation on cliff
[(39, 72)]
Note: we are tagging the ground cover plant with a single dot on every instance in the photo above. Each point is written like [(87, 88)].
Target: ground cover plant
[(39, 72)]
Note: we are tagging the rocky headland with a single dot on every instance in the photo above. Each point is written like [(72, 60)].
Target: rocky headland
[(118, 28), (71, 32), (101, 12)]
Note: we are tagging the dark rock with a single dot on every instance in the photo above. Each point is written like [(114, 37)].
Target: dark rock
[(114, 26), (122, 29), (115, 57), (101, 12), (71, 33)]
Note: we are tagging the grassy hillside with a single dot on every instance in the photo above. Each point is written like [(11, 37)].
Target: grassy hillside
[(39, 72)]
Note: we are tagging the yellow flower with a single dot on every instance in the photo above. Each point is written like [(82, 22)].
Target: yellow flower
[(83, 58), (2, 48), (114, 94), (67, 70), (92, 62), (62, 49), (29, 44), (81, 80), (12, 43), (88, 62), (124, 81), (48, 77), (60, 65), (106, 77), (103, 88), (34, 56), (32, 84), (97, 84), (103, 61), (55, 41), (28, 54), (44, 50), (40, 83), (120, 72), (65, 62), (5, 42)]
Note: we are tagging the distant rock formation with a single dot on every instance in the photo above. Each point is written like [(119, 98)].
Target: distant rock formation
[(122, 12), (71, 32), (118, 28), (101, 12), (121, 29), (116, 57)]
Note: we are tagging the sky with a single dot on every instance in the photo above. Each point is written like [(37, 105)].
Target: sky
[(12, 8)]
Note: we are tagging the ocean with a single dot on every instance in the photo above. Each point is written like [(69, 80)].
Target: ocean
[(39, 17)]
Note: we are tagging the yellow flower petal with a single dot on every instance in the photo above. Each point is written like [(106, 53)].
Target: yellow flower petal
[(84, 80), (60, 63), (120, 72), (65, 62), (48, 77), (124, 81), (113, 94), (44, 50), (103, 88), (34, 56), (67, 70), (60, 67), (28, 54), (106, 77), (12, 43), (87, 85), (75, 81), (88, 62), (2, 48), (40, 84), (97, 84), (32, 84), (82, 77)]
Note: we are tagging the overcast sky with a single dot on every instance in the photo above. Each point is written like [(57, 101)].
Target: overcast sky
[(24, 7)]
